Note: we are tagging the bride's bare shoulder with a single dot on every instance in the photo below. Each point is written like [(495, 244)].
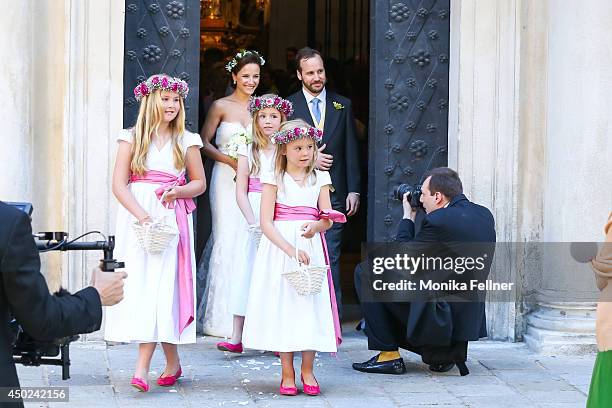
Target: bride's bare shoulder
[(223, 103)]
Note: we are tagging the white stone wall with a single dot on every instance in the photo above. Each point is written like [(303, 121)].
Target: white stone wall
[(16, 51), (530, 135)]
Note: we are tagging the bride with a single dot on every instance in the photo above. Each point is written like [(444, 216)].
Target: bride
[(227, 117)]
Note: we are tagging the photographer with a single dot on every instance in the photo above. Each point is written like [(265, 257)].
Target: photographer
[(25, 296), (438, 331)]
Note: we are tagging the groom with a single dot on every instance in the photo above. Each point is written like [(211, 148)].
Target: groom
[(338, 151)]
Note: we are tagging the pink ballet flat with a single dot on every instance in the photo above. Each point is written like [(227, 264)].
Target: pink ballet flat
[(310, 389), (287, 390), (140, 384), (169, 380), (232, 348)]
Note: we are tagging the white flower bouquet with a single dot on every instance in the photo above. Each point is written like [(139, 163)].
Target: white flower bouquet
[(238, 139)]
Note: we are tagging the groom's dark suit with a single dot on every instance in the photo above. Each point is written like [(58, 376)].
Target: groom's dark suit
[(341, 142)]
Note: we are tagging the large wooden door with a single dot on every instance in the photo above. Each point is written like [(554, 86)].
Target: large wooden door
[(161, 36), (409, 74)]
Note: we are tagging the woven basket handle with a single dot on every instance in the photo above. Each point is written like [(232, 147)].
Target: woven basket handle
[(298, 238)]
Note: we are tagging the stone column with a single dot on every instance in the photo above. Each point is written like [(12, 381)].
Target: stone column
[(15, 75), (95, 89), (483, 121), (576, 182)]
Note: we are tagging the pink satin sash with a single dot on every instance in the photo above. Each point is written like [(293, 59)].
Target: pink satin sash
[(255, 185), (182, 207), (287, 213)]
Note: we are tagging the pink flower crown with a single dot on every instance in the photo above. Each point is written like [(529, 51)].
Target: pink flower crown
[(161, 81), (282, 105), (289, 135)]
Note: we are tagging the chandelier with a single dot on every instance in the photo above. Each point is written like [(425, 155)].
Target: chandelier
[(211, 9)]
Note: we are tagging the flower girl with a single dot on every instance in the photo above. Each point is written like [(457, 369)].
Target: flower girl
[(149, 183), (295, 212), (268, 112)]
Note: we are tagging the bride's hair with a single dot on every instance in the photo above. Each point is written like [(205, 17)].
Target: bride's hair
[(260, 140), (280, 165), (150, 116)]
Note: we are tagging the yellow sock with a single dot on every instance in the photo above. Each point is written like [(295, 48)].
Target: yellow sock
[(388, 356)]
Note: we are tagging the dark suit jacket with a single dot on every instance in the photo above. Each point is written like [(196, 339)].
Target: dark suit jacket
[(460, 222), (339, 136), (24, 294)]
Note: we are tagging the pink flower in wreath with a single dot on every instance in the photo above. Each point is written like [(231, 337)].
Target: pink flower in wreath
[(257, 103), (269, 101), (155, 80), (175, 87), (296, 131), (144, 90), (276, 100), (164, 82)]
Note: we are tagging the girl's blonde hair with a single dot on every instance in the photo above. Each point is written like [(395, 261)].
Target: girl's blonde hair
[(150, 116), (280, 162), (260, 140)]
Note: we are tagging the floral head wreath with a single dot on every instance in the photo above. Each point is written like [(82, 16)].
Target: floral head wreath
[(161, 81), (240, 55), (282, 105), (299, 132)]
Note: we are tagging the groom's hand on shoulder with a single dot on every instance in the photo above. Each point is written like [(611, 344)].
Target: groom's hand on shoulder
[(324, 160)]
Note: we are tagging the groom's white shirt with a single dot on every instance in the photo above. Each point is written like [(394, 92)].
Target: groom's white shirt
[(322, 97)]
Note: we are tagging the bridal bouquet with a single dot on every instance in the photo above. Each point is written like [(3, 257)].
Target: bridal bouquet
[(236, 140)]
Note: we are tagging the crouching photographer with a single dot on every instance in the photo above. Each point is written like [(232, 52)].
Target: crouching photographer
[(25, 296), (437, 330)]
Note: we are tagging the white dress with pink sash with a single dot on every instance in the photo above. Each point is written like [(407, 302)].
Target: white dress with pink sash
[(277, 318), (149, 309)]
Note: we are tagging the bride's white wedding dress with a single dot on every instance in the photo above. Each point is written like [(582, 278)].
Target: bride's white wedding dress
[(218, 258)]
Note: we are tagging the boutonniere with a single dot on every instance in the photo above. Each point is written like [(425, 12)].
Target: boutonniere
[(338, 105)]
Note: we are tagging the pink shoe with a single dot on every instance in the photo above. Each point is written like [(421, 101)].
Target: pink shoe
[(140, 384), (232, 348), (287, 390), (277, 354), (310, 389), (169, 380)]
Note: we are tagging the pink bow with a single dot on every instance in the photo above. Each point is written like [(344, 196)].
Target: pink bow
[(333, 215)]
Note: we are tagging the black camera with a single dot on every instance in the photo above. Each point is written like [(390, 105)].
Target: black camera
[(414, 194), (29, 351)]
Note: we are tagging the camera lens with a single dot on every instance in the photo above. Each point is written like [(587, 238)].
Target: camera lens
[(399, 191)]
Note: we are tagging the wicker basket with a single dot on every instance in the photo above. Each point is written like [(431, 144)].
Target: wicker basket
[(305, 279), (154, 237)]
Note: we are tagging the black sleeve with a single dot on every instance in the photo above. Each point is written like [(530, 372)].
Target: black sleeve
[(42, 315), (353, 170), (428, 232), (405, 231)]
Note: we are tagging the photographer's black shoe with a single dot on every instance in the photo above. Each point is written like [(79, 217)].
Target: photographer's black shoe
[(396, 366), (441, 367)]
